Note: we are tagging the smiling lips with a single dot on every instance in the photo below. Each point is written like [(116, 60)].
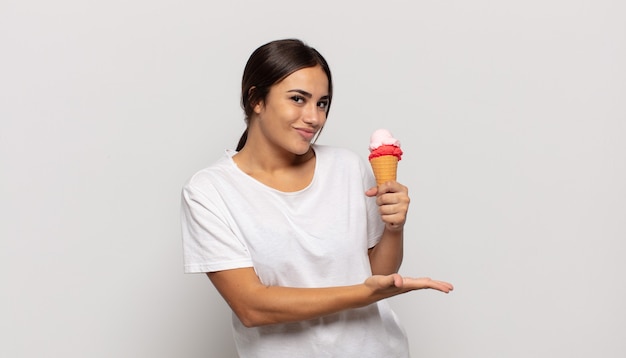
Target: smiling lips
[(306, 133)]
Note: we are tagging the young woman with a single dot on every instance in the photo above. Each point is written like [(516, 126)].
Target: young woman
[(295, 236)]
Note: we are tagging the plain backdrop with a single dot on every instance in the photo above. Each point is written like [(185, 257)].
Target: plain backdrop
[(511, 113)]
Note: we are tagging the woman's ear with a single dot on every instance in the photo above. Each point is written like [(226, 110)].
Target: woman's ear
[(257, 105)]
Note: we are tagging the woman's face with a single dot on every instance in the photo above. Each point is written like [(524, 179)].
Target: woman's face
[(294, 110)]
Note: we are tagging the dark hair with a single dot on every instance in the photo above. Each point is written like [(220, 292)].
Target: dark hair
[(270, 64)]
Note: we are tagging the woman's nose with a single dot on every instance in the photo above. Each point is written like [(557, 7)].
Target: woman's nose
[(313, 115)]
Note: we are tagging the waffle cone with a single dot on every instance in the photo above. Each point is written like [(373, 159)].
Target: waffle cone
[(385, 168)]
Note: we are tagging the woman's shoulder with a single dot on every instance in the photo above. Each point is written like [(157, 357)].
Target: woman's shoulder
[(341, 160), (219, 170), (344, 164)]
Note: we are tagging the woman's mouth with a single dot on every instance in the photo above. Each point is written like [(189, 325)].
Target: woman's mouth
[(307, 134)]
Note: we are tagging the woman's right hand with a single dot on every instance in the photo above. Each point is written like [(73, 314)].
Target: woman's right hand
[(395, 284)]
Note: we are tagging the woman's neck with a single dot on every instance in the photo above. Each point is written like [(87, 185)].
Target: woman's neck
[(286, 173)]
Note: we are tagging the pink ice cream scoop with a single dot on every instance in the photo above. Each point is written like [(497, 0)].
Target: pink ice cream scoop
[(383, 143)]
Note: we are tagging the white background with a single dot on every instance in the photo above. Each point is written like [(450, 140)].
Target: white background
[(512, 116)]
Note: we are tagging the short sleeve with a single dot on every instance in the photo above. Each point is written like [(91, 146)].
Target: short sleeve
[(375, 225), (209, 239)]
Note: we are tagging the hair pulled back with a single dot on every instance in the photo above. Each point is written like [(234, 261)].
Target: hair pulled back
[(270, 64)]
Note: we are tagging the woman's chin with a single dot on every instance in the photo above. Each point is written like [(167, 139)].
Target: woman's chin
[(302, 149)]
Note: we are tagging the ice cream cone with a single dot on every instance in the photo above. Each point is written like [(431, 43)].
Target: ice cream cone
[(385, 168)]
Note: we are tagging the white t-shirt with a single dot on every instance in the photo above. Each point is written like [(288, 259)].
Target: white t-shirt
[(315, 237)]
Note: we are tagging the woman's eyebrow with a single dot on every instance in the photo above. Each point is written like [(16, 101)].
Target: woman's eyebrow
[(305, 93), (302, 92)]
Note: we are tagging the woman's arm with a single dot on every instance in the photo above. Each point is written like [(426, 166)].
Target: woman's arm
[(393, 202), (256, 304)]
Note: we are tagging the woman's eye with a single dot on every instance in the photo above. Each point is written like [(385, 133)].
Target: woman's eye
[(322, 104), (298, 99)]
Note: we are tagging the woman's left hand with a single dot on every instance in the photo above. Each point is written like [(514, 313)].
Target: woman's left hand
[(393, 201)]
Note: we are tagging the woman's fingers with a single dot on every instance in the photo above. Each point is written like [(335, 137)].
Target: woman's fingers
[(428, 283), (399, 284), (393, 201)]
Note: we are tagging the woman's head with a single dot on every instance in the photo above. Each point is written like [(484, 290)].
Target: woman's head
[(270, 64)]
